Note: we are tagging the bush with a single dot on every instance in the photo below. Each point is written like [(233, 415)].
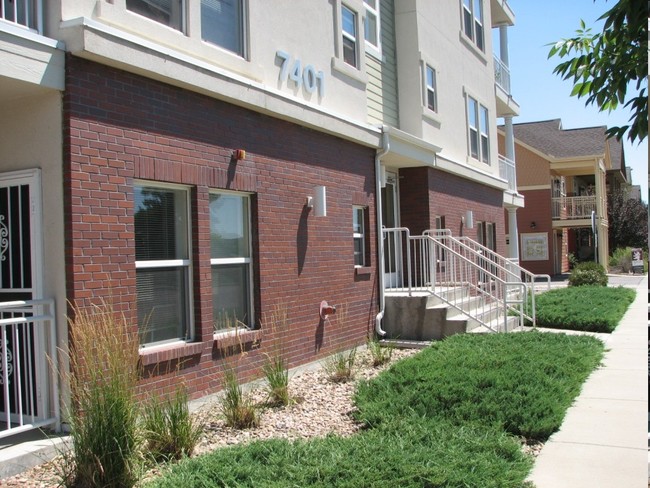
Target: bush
[(585, 308), (169, 431), (237, 406), (588, 273), (104, 410)]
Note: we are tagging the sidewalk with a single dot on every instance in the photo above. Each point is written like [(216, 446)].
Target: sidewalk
[(602, 442)]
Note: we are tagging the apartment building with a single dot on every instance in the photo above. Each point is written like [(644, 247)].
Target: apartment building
[(202, 162), (565, 175)]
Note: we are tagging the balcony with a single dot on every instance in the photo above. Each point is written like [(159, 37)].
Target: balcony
[(508, 172), (23, 13), (501, 75), (573, 208)]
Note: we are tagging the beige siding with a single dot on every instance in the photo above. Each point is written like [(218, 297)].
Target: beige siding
[(382, 74)]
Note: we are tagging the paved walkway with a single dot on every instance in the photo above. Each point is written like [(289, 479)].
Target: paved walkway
[(602, 441)]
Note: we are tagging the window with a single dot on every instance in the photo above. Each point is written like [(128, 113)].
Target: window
[(168, 12), (372, 24), (349, 32), (479, 138), (162, 254), (359, 235), (230, 257), (431, 100), (222, 23), (473, 22)]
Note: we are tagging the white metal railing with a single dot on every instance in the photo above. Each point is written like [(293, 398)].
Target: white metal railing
[(28, 368), (566, 208), (464, 279), (25, 13), (501, 74), (508, 172)]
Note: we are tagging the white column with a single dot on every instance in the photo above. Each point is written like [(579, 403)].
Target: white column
[(513, 247), (503, 44), (510, 138)]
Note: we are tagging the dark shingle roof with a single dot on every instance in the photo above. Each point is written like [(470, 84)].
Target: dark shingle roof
[(549, 138)]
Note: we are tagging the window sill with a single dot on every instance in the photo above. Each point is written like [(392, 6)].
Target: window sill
[(349, 71), (362, 270), (471, 45), (226, 339), (432, 117), (169, 352)]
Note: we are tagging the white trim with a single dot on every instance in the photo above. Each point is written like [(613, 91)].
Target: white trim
[(162, 263), (373, 49), (218, 261)]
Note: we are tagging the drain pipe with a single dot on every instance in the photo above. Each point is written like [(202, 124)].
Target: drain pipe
[(380, 234)]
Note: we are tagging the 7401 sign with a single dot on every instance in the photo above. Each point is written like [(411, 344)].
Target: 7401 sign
[(291, 70)]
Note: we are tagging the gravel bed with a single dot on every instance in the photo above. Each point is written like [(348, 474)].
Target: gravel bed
[(321, 407)]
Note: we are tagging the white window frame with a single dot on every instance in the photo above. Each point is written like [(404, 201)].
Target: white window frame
[(480, 131), (373, 47), (472, 12), (243, 34), (354, 38), (430, 88), (239, 260), (182, 12), (174, 263), (356, 211)]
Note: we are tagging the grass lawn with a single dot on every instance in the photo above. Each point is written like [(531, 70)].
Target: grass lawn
[(585, 308), (447, 417)]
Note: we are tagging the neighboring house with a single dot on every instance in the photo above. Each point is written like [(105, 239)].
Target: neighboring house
[(565, 175), (161, 154)]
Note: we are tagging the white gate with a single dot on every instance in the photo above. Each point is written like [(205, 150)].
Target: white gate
[(27, 330)]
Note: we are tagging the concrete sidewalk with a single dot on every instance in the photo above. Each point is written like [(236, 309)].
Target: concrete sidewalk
[(602, 442)]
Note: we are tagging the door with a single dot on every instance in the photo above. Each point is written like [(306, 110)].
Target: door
[(393, 241), (22, 359)]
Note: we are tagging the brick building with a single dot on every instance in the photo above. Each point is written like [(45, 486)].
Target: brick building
[(164, 153)]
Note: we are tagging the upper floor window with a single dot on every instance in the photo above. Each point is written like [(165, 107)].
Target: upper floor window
[(479, 137), (222, 23), (431, 93), (350, 36), (372, 26), (167, 12), (162, 262), (473, 22)]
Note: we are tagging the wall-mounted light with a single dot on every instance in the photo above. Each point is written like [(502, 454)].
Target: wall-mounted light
[(533, 225), (239, 154), (319, 201), (468, 219)]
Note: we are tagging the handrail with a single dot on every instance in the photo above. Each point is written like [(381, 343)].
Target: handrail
[(511, 270), (472, 286)]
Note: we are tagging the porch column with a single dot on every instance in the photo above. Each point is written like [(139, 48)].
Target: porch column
[(601, 213), (513, 246), (503, 44)]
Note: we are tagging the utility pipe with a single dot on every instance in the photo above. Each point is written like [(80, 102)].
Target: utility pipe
[(380, 232)]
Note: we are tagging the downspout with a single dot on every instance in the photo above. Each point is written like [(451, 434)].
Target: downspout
[(380, 234)]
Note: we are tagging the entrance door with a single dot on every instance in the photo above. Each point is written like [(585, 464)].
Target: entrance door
[(22, 357), (392, 242)]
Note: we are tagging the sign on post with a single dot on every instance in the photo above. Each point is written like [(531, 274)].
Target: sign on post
[(637, 260)]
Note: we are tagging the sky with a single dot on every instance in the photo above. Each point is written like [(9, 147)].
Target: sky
[(543, 95)]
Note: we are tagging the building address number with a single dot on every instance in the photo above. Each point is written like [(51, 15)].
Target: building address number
[(308, 78)]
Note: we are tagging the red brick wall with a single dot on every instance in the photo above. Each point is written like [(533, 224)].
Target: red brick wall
[(120, 127), (537, 208), (427, 192)]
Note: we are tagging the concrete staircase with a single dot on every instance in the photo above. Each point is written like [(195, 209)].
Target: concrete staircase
[(424, 317)]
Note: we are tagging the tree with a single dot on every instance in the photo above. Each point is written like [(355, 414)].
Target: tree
[(628, 221), (604, 66)]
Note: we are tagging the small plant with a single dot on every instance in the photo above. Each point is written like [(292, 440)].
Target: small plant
[(340, 366), (275, 368), (169, 430), (103, 413), (588, 273), (380, 354), (237, 406), (277, 376)]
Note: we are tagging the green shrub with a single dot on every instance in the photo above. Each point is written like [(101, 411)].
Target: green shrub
[(237, 406), (588, 273), (169, 430), (104, 410), (340, 366), (585, 308), (277, 377), (380, 354), (521, 383)]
